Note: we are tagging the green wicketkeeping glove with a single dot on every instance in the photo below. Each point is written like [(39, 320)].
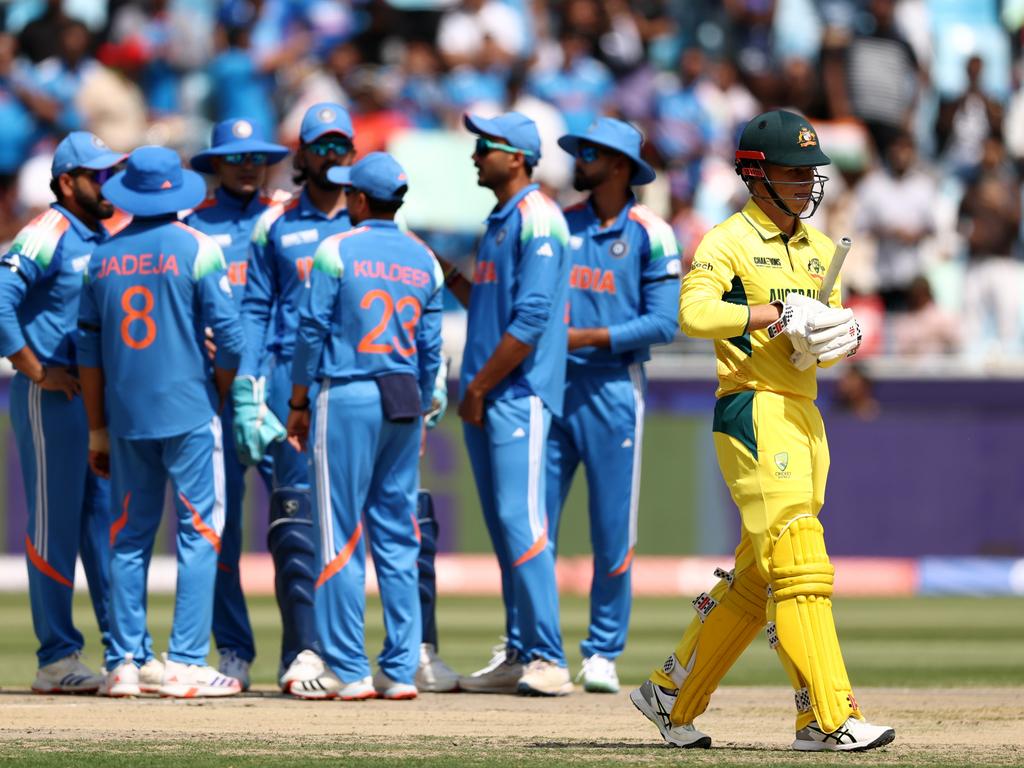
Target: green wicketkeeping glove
[(256, 426)]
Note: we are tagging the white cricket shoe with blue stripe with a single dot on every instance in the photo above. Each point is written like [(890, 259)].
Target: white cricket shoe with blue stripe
[(852, 736), (191, 681), (67, 675)]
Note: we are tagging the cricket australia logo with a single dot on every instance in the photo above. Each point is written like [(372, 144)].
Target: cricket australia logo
[(806, 137), (815, 267), (781, 465)]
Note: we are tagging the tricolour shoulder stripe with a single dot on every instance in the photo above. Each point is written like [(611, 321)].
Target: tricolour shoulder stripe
[(661, 236), (38, 239), (541, 218), (327, 258), (261, 231), (209, 256)]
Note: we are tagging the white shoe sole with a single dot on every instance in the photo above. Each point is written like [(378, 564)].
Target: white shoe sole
[(600, 687), (122, 691), (704, 742), (818, 746), (525, 689), (438, 687), (297, 689), (195, 691)]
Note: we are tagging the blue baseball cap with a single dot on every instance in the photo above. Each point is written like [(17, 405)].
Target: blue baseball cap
[(514, 127), (81, 149), (237, 136), (616, 135), (378, 175), (324, 118), (154, 183)]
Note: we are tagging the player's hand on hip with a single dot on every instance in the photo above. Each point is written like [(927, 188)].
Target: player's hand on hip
[(57, 379), (99, 452), (471, 409), (298, 429)]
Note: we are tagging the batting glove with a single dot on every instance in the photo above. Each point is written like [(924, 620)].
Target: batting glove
[(256, 426), (836, 342)]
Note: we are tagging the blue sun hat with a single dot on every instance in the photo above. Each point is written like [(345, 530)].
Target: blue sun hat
[(616, 135), (514, 127), (237, 136), (81, 149), (378, 175), (153, 183)]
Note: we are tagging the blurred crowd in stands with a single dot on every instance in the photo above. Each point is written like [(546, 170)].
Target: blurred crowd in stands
[(919, 102)]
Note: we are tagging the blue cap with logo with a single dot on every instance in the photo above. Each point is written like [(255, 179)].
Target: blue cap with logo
[(237, 136), (378, 175), (153, 183), (324, 118), (81, 149), (616, 135), (514, 127)]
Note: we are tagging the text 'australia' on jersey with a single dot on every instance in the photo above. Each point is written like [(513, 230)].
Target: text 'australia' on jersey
[(230, 220), (624, 277), (520, 287), (149, 294), (373, 307), (744, 262), (40, 285), (283, 243)]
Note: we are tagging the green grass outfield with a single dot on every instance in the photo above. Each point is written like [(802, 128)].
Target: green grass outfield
[(886, 642)]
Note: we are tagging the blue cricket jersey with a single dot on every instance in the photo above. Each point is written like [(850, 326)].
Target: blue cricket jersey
[(283, 243), (520, 286), (373, 307), (624, 277), (40, 286), (230, 220), (150, 292)]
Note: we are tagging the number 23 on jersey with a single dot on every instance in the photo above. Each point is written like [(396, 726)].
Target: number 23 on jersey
[(373, 343)]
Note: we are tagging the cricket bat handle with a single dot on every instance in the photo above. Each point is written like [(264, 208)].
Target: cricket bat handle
[(832, 273)]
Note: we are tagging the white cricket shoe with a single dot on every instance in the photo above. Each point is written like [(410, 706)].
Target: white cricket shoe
[(433, 675), (122, 680), (67, 675), (151, 676), (306, 666), (326, 685), (233, 665), (852, 736), (360, 690), (544, 678), (190, 681), (598, 675), (387, 688), (501, 675), (655, 703)]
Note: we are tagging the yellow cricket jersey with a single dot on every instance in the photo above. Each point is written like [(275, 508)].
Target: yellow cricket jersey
[(746, 261)]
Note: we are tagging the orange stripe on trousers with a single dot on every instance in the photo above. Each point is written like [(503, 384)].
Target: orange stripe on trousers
[(44, 567), (118, 525), (625, 564), (532, 552), (204, 530), (343, 557)]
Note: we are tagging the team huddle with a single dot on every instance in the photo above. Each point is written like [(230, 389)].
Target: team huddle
[(301, 335)]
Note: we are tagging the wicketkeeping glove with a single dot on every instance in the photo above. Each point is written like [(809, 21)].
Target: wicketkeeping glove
[(256, 426)]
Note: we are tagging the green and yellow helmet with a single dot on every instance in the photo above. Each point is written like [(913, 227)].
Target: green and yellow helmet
[(785, 139)]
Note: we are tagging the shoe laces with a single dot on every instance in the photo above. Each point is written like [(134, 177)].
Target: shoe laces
[(597, 666)]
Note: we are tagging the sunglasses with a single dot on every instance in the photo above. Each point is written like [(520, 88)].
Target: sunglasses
[(241, 158), (98, 176), (324, 148), (588, 153), (486, 146)]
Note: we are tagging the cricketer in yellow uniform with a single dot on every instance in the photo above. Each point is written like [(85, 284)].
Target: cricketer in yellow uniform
[(772, 451)]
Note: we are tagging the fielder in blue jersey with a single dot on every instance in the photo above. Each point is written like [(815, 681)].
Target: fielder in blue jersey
[(238, 157), (150, 293), (68, 507), (513, 374), (624, 297), (283, 243), (370, 334)]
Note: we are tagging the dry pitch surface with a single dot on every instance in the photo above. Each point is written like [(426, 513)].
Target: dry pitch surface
[(750, 726)]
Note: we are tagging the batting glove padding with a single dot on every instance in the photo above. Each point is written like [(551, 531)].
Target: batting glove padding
[(836, 342), (256, 426), (800, 318)]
